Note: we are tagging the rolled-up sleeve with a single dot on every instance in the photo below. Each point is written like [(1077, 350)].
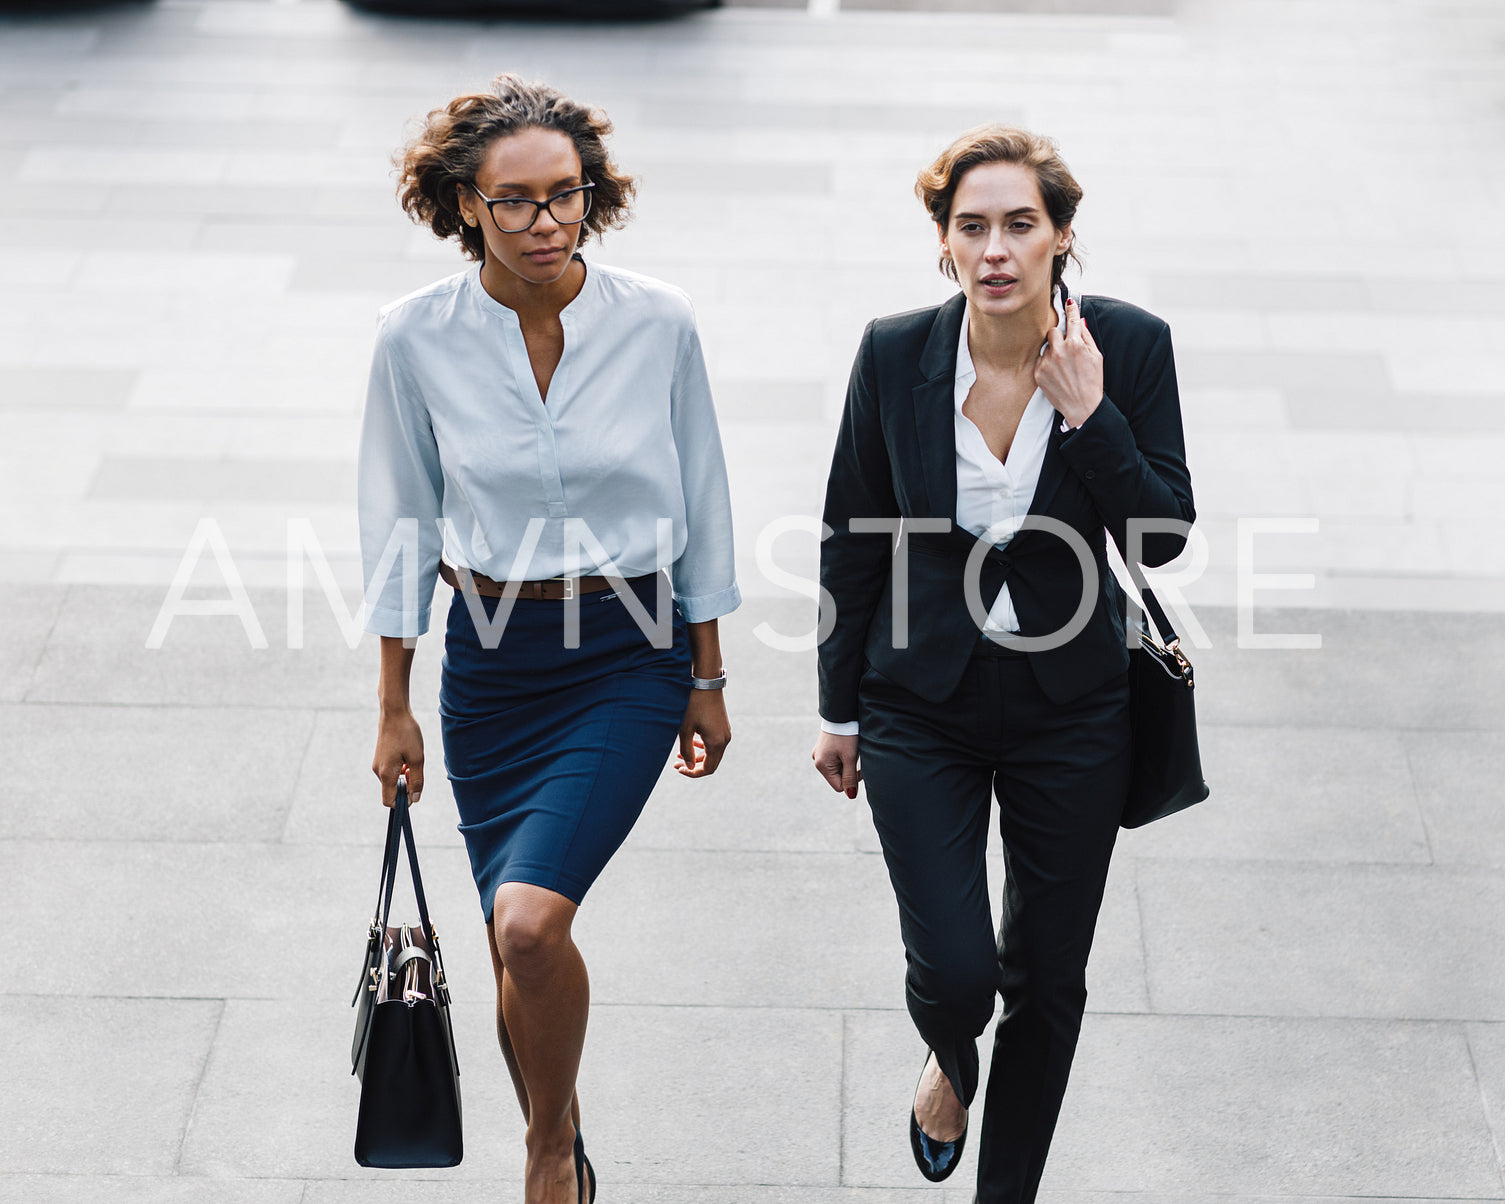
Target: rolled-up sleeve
[(399, 487), (705, 574)]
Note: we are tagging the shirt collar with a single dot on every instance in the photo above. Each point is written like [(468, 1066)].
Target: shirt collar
[(581, 301), (966, 371)]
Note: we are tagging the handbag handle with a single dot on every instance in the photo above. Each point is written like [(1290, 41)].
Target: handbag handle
[(387, 881), (400, 828)]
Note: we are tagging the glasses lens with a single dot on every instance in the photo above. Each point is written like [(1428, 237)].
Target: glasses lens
[(513, 217), (572, 206)]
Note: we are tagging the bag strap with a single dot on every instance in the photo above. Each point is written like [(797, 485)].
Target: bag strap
[(1167, 633), (388, 877), (406, 821), (396, 818), (402, 817)]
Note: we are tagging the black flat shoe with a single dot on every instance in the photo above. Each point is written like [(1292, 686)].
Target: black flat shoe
[(583, 1167), (936, 1159)]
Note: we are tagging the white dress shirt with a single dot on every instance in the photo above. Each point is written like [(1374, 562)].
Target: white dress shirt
[(990, 493), (621, 471)]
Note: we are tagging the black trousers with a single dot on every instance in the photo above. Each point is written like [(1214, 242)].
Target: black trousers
[(1060, 773)]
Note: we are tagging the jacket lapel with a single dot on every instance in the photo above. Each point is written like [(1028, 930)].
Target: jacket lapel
[(934, 400), (1052, 470)]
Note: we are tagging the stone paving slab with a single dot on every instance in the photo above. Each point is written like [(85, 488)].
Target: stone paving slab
[(101, 1085), (1486, 1043), (206, 921), (748, 929), (1298, 794), (669, 1081), (277, 1098), (59, 388), (1460, 789), (1374, 670), (97, 653), (31, 612), (1285, 1107), (1308, 939), (143, 1189), (150, 773)]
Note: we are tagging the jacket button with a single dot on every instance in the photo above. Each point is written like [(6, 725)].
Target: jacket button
[(1090, 473)]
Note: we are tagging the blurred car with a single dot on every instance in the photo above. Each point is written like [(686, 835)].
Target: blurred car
[(591, 9)]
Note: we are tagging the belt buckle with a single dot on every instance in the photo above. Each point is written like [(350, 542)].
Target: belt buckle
[(569, 587)]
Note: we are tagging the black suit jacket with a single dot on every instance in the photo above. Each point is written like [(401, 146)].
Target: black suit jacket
[(896, 457)]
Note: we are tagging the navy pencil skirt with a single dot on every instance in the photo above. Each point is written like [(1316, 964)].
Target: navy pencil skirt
[(551, 751)]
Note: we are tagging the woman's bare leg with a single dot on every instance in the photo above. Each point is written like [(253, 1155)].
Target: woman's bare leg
[(545, 1000), (505, 1041)]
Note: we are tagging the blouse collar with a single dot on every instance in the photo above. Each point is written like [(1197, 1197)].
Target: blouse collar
[(580, 302)]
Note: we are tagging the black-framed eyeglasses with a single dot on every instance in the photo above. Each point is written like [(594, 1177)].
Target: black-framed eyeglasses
[(514, 214)]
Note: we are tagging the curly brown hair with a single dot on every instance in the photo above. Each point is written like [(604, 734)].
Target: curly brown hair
[(996, 143), (449, 150)]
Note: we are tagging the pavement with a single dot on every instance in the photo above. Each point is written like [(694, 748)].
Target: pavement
[(1297, 990)]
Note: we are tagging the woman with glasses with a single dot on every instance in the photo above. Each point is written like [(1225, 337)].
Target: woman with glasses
[(539, 431)]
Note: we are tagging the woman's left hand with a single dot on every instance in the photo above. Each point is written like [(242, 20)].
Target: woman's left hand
[(1070, 369), (704, 734)]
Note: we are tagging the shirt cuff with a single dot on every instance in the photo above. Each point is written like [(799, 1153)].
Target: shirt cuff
[(704, 607), (381, 620), (849, 728)]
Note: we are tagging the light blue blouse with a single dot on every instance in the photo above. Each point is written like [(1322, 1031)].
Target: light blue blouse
[(621, 471)]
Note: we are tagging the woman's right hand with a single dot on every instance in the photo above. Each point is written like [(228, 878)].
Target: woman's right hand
[(835, 758), (399, 750)]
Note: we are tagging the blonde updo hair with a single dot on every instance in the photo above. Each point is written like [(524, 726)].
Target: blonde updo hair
[(452, 146), (996, 143)]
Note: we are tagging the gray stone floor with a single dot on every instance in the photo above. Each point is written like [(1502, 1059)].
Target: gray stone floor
[(1298, 990)]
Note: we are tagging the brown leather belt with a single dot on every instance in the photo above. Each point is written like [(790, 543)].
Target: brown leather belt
[(551, 589)]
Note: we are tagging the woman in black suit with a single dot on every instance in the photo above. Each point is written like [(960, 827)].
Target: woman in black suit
[(1011, 429)]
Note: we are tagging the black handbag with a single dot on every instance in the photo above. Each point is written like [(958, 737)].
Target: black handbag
[(1166, 773), (404, 1047)]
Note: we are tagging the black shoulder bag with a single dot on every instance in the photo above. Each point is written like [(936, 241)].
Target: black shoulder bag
[(404, 1049), (1166, 776)]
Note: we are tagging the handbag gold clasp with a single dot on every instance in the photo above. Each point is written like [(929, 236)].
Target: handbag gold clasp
[(1174, 648)]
